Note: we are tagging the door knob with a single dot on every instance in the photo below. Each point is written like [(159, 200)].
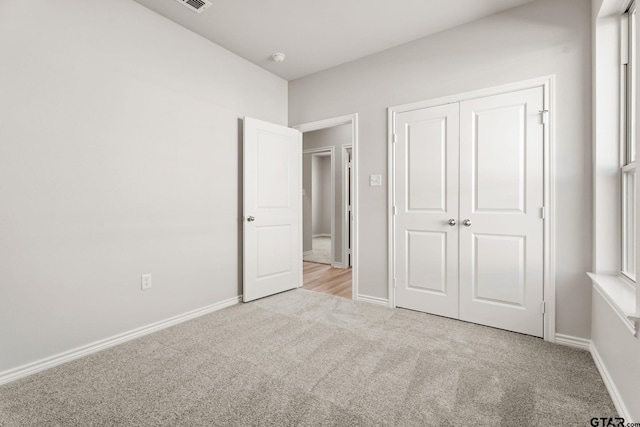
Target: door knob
[(452, 222), (251, 219), (467, 222)]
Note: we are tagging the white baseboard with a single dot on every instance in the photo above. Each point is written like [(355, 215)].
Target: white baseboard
[(85, 350), (307, 253), (337, 265), (373, 300), (570, 341), (321, 235), (611, 387), (585, 344)]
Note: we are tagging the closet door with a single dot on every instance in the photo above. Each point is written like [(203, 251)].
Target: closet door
[(501, 196), (426, 198)]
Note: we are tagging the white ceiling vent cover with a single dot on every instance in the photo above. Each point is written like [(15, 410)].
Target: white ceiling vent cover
[(198, 6)]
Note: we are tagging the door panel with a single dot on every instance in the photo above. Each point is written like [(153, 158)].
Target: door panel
[(499, 135), (426, 151), (270, 262), (426, 246), (501, 193), (273, 171), (499, 282), (272, 213), (427, 263)]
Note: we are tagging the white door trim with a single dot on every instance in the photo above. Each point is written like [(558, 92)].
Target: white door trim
[(351, 119), (548, 84), (346, 215), (332, 154)]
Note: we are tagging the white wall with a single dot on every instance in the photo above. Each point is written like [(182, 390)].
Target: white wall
[(119, 155), (307, 205), (615, 348), (324, 182), (606, 148), (541, 38), (321, 203), (619, 353)]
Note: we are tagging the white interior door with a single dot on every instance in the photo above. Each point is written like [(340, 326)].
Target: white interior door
[(272, 209), (501, 197), (426, 194)]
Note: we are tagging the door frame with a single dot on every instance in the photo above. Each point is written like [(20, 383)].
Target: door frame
[(351, 119), (547, 83), (331, 151), (347, 187)]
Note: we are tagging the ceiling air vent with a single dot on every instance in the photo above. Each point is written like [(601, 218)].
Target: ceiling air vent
[(198, 6)]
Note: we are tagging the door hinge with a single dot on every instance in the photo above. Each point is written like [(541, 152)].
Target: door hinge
[(542, 307), (349, 165), (394, 283), (395, 210), (394, 139), (542, 212), (544, 114), (349, 208)]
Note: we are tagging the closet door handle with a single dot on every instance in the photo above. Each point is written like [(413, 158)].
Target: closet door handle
[(251, 219), (467, 222), (452, 222)]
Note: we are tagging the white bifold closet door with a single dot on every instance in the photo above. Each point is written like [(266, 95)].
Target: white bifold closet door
[(426, 188), (479, 163)]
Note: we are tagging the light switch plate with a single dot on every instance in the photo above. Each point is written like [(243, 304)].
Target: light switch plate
[(375, 180)]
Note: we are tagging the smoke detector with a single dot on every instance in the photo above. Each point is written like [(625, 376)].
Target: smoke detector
[(279, 56), (198, 6)]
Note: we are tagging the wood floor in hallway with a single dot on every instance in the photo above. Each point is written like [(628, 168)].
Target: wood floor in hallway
[(326, 279)]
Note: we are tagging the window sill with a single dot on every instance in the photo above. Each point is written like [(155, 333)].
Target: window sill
[(621, 296)]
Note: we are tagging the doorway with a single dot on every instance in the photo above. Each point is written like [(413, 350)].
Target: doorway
[(318, 209), (329, 199)]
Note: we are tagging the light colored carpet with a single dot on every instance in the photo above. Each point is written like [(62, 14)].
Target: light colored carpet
[(305, 358), (321, 251)]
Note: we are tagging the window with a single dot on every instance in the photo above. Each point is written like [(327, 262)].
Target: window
[(628, 149)]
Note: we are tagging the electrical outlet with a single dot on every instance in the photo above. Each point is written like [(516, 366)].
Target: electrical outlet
[(146, 281)]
